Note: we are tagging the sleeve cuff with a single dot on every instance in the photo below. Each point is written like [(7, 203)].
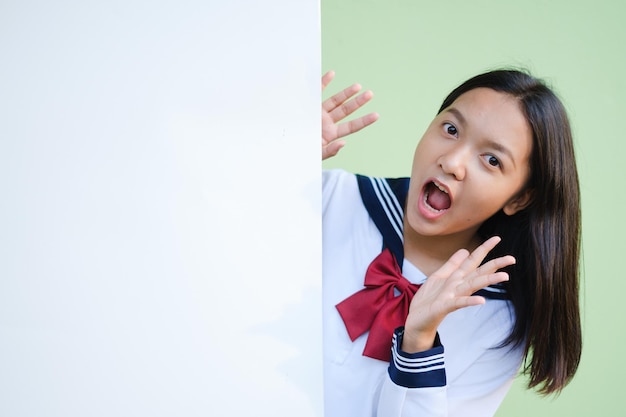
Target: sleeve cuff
[(417, 370)]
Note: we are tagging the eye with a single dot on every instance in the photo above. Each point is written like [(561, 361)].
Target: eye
[(492, 160), (450, 129)]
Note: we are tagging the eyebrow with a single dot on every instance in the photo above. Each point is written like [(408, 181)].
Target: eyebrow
[(502, 149), (457, 114), (489, 142)]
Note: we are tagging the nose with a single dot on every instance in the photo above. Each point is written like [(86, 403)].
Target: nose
[(454, 162)]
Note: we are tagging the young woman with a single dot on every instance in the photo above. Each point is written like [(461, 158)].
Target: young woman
[(438, 288)]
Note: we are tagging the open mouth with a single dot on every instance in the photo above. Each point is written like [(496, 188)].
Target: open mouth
[(436, 197)]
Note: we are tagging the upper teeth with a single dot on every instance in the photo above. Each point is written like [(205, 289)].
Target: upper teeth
[(440, 187)]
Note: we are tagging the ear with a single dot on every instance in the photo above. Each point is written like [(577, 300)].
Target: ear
[(518, 202)]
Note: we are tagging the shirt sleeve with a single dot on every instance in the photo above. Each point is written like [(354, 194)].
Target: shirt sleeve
[(331, 179), (417, 382), (483, 369), (417, 370)]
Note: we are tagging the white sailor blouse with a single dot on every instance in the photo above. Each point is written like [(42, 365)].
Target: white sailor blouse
[(468, 371)]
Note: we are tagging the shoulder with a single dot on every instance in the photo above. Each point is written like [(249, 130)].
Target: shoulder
[(337, 178), (340, 191)]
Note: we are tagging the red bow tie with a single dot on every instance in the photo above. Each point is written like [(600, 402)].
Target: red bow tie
[(376, 307)]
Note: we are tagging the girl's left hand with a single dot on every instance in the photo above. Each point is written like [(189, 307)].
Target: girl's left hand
[(338, 107), (448, 289)]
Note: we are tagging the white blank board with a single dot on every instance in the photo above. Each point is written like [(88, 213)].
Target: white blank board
[(159, 211)]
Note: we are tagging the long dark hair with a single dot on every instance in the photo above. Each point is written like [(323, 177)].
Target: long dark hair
[(544, 237)]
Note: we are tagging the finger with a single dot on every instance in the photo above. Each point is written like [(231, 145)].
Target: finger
[(452, 264), (469, 301), (338, 99), (495, 264), (470, 286), (332, 148), (355, 125), (481, 251), (327, 78), (350, 106), (486, 274), (478, 255)]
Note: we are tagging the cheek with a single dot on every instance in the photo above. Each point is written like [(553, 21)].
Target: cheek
[(483, 208), (412, 196), (417, 166), (417, 154), (422, 158)]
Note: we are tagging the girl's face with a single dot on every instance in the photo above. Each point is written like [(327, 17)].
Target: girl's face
[(472, 161)]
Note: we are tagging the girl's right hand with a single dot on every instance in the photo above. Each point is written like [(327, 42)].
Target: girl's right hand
[(335, 109)]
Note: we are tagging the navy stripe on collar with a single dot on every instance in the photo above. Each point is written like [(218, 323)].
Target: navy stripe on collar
[(384, 199)]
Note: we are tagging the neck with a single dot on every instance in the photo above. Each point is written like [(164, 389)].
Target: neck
[(429, 253)]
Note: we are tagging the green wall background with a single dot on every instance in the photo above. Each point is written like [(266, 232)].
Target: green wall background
[(412, 53)]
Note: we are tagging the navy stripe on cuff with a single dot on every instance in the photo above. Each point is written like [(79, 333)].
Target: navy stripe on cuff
[(417, 370)]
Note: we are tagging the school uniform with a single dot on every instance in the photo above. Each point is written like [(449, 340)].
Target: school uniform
[(467, 373)]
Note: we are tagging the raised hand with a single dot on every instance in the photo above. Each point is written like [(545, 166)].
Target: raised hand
[(450, 288), (335, 109)]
